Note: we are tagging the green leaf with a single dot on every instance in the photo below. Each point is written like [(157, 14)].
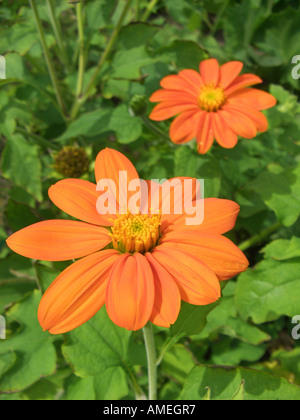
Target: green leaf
[(192, 319), (111, 385), (36, 356), (185, 162), (224, 382), (227, 352), (279, 38), (283, 249), (240, 393), (90, 124), (98, 13), (7, 361), (132, 53), (183, 55), (224, 319), (280, 191), (289, 360), (96, 346), (209, 170), (178, 362), (127, 127), (13, 291), (21, 164), (269, 291), (207, 396)]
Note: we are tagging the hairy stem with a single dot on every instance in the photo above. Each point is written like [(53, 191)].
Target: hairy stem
[(80, 101), (57, 31), (149, 10), (154, 128), (256, 239), (81, 66), (151, 357)]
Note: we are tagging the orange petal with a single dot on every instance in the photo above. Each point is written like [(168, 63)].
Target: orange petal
[(77, 294), (259, 119), (167, 299), (210, 71), (205, 135), (222, 133), (224, 258), (175, 82), (193, 78), (243, 81), (130, 292), (182, 128), (219, 217), (166, 110), (197, 283), (58, 240), (173, 193), (168, 198), (109, 164), (229, 72), (78, 198), (172, 96), (239, 123), (254, 98), (148, 203)]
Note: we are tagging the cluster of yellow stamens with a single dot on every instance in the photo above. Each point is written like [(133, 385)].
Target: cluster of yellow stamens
[(211, 98), (136, 232)]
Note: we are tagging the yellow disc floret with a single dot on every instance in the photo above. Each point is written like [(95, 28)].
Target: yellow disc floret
[(136, 232), (211, 98)]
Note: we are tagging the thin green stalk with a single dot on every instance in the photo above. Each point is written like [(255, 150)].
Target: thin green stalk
[(38, 140), (149, 10), (137, 9), (139, 394), (257, 239), (57, 31), (81, 66), (219, 17), (151, 357), (154, 128), (47, 55), (80, 101)]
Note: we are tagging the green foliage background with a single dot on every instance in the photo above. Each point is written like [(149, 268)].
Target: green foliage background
[(250, 328)]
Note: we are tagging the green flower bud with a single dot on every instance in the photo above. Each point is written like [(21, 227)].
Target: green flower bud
[(138, 105)]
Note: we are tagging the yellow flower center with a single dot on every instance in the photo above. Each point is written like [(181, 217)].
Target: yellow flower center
[(211, 98), (136, 232)]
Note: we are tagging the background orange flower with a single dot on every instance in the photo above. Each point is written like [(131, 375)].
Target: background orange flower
[(215, 103)]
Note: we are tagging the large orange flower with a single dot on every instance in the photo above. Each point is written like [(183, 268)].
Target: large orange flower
[(216, 103), (151, 261)]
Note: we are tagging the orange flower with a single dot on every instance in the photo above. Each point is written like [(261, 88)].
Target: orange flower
[(215, 104), (150, 263)]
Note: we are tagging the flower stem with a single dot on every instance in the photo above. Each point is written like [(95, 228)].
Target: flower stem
[(256, 239), (80, 101), (149, 10), (151, 357), (57, 31), (47, 55), (81, 49), (38, 139), (139, 394), (219, 17), (137, 10), (154, 128)]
